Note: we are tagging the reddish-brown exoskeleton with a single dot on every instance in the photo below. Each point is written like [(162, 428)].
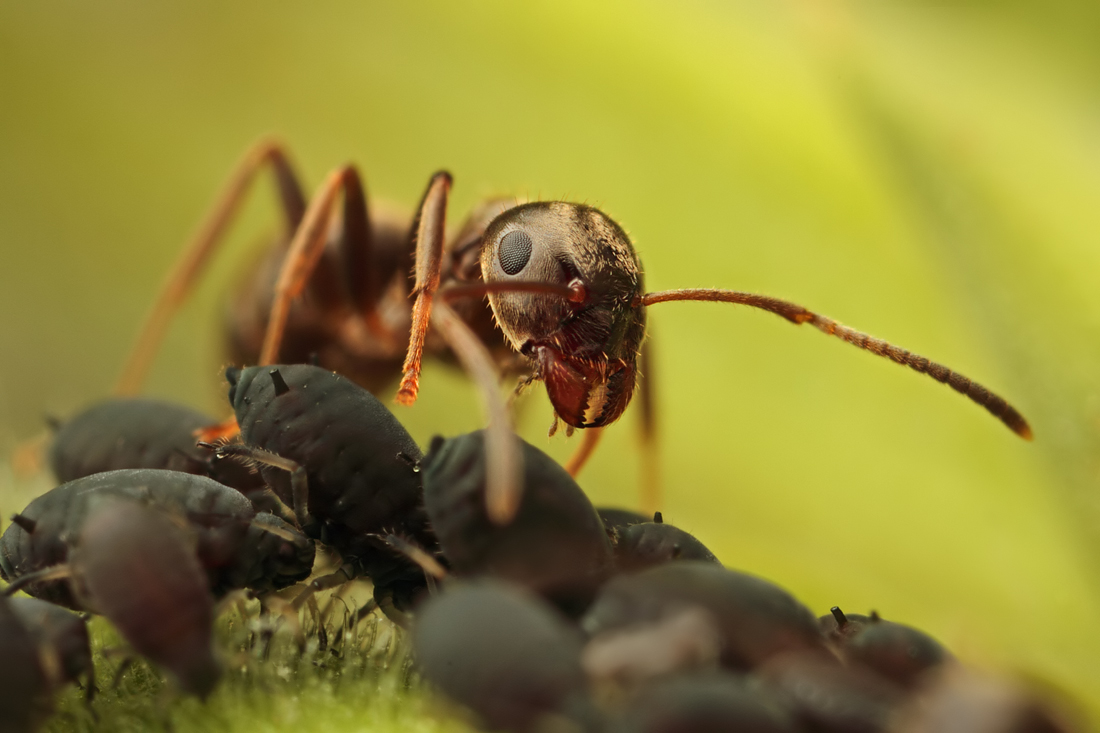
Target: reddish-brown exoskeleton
[(563, 281)]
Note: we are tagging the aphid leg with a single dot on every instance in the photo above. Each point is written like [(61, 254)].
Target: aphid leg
[(299, 483), (589, 441), (342, 575), (315, 614), (398, 617), (275, 609), (266, 500), (123, 668), (228, 429), (798, 315), (430, 225), (185, 273), (303, 257), (90, 689), (335, 597), (504, 462), (365, 610), (54, 572)]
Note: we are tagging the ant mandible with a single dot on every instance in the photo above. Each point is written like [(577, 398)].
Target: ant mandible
[(563, 281)]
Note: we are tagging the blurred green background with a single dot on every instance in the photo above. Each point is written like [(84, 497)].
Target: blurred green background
[(927, 172)]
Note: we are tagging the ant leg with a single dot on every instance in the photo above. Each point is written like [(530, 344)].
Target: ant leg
[(299, 484), (647, 433), (304, 255), (504, 462), (26, 459), (587, 447), (195, 255), (366, 272), (430, 233), (798, 315)]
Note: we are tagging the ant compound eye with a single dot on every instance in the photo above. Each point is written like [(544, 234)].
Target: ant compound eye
[(515, 251)]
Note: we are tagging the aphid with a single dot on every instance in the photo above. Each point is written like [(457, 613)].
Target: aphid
[(687, 639), (237, 547), (136, 567), (826, 695), (343, 462), (555, 546), (645, 544), (24, 685), (140, 433), (62, 640), (756, 619), (961, 701), (503, 653), (704, 702), (615, 518), (563, 281), (838, 626), (895, 651)]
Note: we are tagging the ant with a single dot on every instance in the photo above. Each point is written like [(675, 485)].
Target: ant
[(563, 282)]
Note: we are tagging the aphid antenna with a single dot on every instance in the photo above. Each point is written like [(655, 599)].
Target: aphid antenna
[(55, 572), (416, 553)]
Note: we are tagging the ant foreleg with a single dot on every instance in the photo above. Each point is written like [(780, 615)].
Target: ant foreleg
[(647, 432), (798, 315), (504, 463), (589, 441), (430, 233), (186, 271)]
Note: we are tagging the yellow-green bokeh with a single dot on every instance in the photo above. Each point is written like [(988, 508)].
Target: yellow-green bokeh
[(929, 174)]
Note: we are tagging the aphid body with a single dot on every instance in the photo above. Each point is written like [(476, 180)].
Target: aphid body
[(237, 547)]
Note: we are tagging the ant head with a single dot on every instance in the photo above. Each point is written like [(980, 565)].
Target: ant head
[(586, 346)]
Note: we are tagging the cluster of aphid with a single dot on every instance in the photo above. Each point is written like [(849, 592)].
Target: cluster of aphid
[(525, 603), (566, 615)]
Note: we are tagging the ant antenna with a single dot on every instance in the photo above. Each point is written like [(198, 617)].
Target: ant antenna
[(798, 315)]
